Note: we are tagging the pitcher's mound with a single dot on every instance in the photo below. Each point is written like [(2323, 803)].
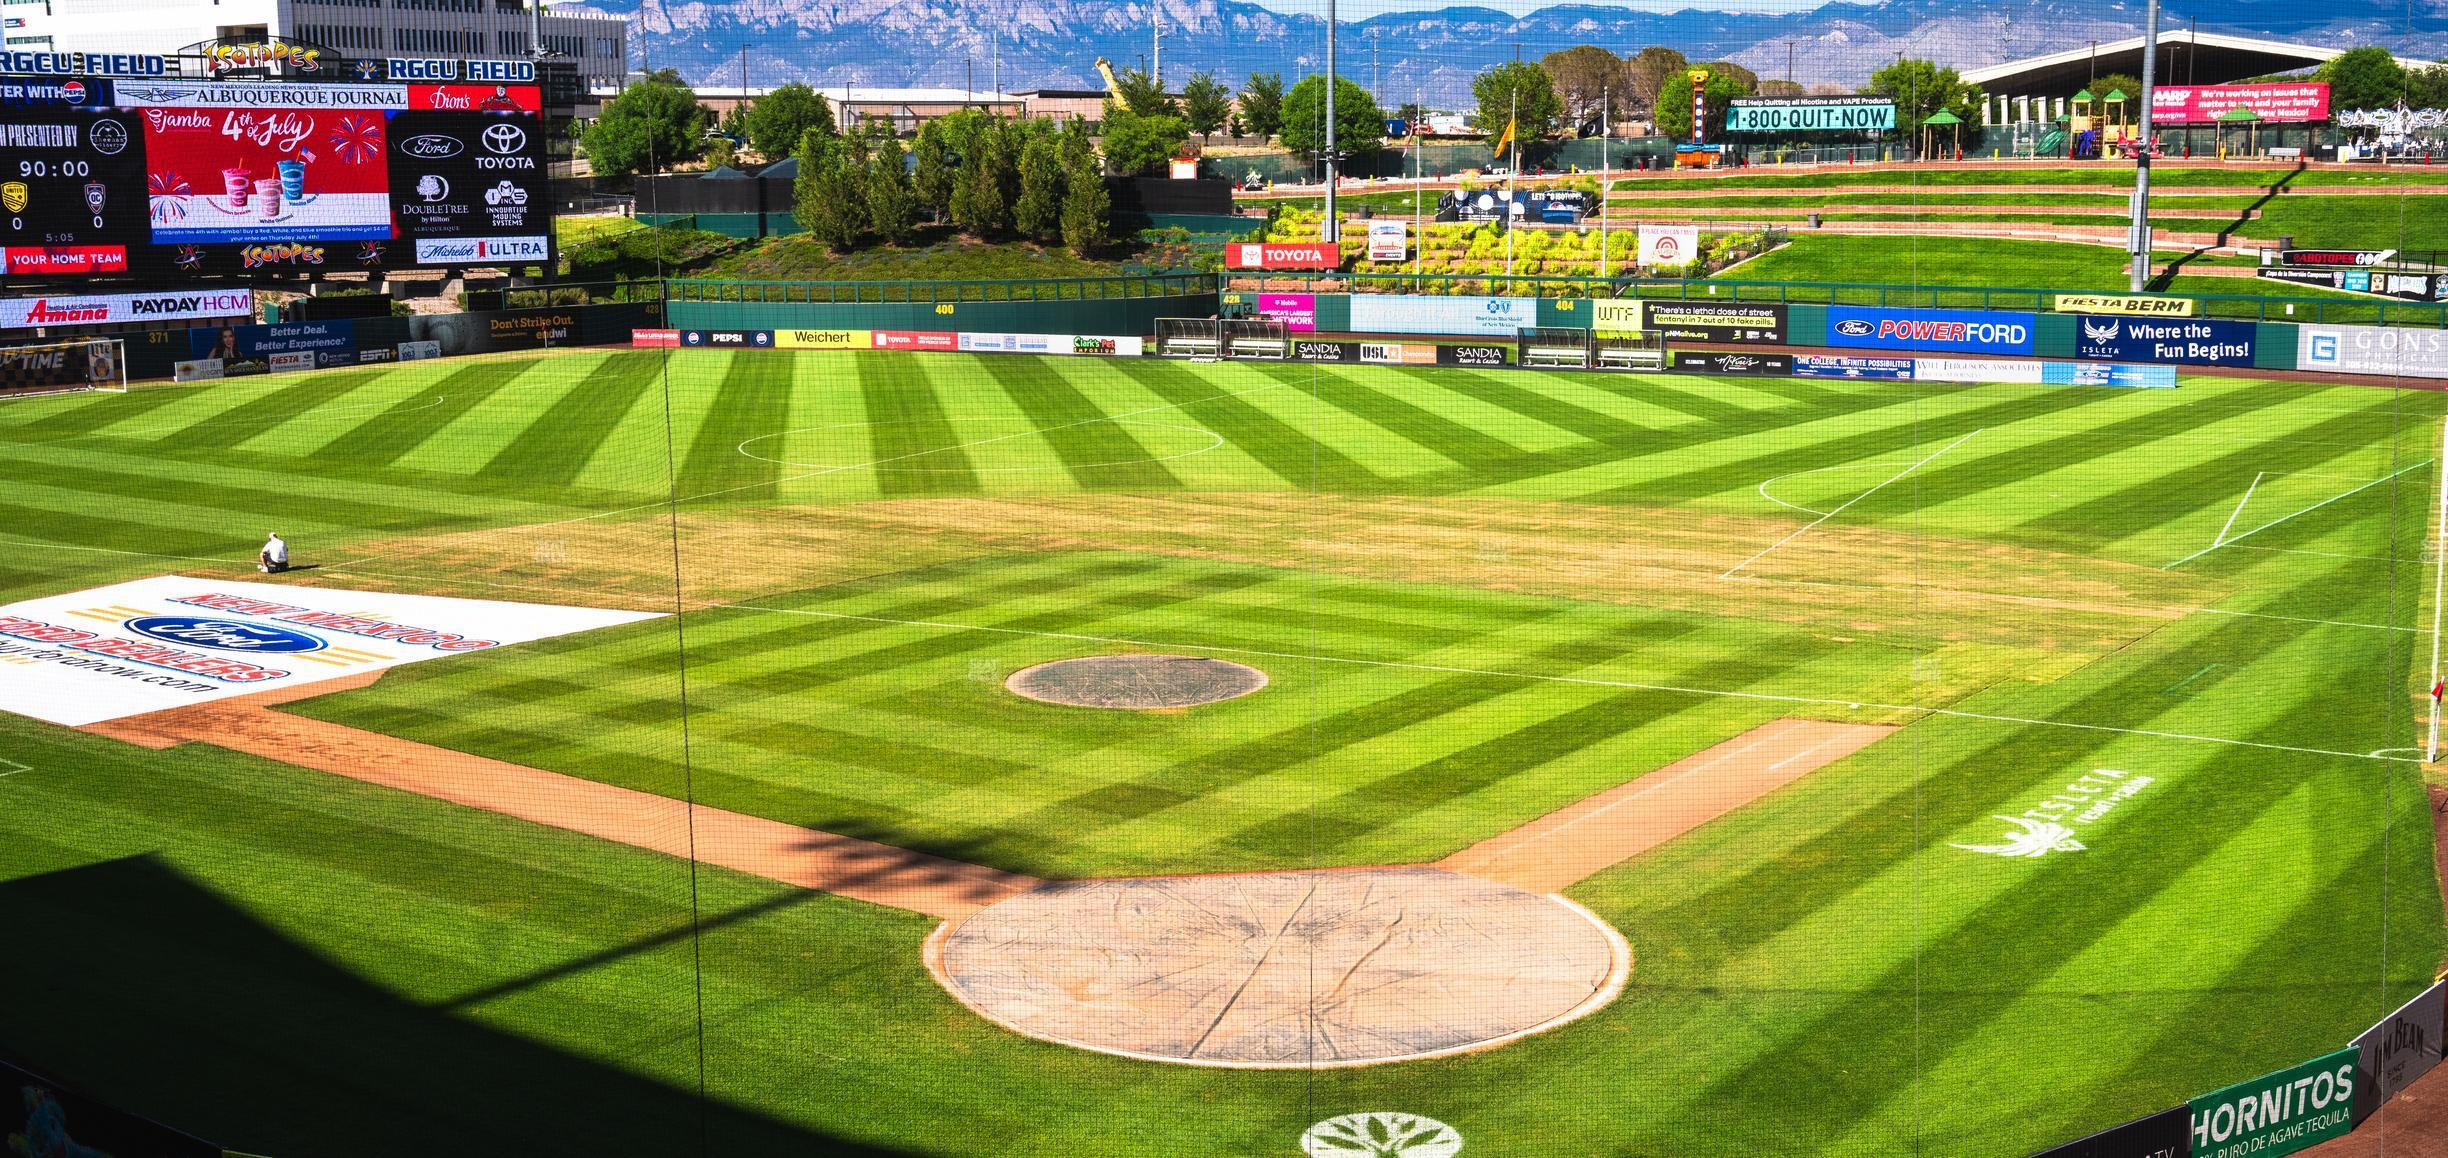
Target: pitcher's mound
[(1281, 970), (1136, 681)]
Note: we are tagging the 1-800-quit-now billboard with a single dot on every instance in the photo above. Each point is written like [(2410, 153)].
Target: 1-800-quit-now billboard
[(176, 177)]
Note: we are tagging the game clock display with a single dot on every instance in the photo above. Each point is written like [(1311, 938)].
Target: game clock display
[(185, 177)]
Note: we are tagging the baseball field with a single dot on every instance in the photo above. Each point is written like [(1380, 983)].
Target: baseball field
[(1953, 769)]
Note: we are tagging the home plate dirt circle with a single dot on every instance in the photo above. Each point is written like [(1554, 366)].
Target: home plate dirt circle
[(1339, 967), (1136, 681)]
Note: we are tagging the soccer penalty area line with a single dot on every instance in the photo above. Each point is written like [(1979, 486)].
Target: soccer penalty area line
[(1840, 509), (2224, 541), (1584, 681)]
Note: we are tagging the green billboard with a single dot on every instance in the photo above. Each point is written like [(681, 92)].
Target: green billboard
[(2278, 1113)]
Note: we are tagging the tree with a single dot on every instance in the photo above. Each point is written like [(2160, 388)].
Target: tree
[(1744, 78), (1262, 101), (1673, 111), (1647, 73), (827, 197), (1780, 88), (891, 211), (651, 125), (1142, 95), (734, 124), (779, 118), (2363, 78), (1359, 125), (1412, 113), (1038, 212), (931, 179), (1588, 80), (2428, 88), (1514, 92), (1920, 88), (1087, 209), (981, 203), (1206, 103), (1136, 143)]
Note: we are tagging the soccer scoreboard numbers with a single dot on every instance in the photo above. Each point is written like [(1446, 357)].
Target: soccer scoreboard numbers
[(103, 176)]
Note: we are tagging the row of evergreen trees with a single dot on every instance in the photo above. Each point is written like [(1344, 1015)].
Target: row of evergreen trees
[(992, 179)]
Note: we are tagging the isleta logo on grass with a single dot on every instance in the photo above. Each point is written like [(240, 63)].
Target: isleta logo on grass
[(2050, 825), (1381, 1135)]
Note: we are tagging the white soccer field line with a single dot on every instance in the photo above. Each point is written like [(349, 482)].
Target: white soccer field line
[(1798, 533), (2225, 541)]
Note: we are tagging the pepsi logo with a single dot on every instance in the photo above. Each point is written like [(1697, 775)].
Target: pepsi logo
[(225, 635), (73, 92)]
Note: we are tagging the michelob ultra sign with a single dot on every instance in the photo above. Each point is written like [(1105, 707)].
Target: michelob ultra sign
[(1811, 115)]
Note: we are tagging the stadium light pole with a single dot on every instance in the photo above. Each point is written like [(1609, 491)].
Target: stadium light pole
[(1330, 231), (2139, 243)]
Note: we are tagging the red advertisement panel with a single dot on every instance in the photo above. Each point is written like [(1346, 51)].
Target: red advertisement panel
[(654, 339), (2184, 104), (241, 175), (916, 340), (64, 259), (1282, 255), (476, 98)]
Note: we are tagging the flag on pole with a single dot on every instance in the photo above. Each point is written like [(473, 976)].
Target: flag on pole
[(2437, 688), (1505, 139)]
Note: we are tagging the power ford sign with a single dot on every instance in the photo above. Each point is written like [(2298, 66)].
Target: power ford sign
[(225, 635), (1943, 331), (2199, 341)]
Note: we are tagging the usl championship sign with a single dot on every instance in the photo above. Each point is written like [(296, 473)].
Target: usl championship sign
[(168, 642)]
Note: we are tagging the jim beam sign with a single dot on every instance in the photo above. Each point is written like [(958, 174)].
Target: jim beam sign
[(2139, 304)]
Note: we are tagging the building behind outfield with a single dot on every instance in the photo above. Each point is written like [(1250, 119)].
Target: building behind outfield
[(596, 42)]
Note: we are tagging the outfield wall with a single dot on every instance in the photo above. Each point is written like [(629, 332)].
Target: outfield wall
[(1109, 315)]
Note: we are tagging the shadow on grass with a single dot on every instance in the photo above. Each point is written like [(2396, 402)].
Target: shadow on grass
[(132, 983)]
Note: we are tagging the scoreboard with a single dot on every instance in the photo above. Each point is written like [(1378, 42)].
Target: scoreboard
[(165, 176)]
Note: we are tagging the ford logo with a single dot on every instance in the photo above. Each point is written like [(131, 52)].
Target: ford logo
[(224, 635), (1855, 328), (429, 146)]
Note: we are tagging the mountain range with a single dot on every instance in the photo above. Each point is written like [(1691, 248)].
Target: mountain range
[(1427, 55)]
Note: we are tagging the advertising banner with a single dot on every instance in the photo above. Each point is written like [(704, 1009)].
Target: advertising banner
[(1308, 351), (989, 343), (1943, 331), (1398, 353), (167, 642), (1298, 312), (2403, 1047), (287, 174), (1761, 323), (117, 309), (1839, 366), (916, 340), (2142, 305), (2108, 374), (1389, 241), (2161, 1135), (1727, 362), (2392, 350), (1471, 355), (2187, 104), (1811, 115), (1491, 317), (1668, 244), (1615, 315), (2280, 1113), (2325, 278), (2199, 341), (419, 349), (1282, 255), (283, 346), (1980, 370), (39, 369), (196, 370), (1100, 345), (824, 339), (2334, 258), (655, 339)]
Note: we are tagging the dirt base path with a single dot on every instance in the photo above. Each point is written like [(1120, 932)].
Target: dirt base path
[(787, 853), (1568, 845)]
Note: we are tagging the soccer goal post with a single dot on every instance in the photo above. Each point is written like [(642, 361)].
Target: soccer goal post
[(63, 364)]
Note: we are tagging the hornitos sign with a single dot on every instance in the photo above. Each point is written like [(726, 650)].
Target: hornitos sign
[(1853, 114), (2278, 1113), (2141, 304)]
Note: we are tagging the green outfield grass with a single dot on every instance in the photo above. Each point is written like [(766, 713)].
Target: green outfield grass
[(1480, 596)]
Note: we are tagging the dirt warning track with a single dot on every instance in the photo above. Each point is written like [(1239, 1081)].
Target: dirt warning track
[(1568, 845)]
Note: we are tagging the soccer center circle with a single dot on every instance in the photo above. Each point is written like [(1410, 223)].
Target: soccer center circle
[(1139, 681), (1281, 970)]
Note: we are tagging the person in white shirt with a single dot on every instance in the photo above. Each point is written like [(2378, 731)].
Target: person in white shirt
[(274, 558)]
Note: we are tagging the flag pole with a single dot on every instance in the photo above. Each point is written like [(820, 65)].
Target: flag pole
[(1606, 133), (1512, 181), (2439, 585)]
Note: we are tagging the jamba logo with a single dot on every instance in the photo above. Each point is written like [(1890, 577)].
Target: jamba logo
[(2036, 838), (1381, 1135)]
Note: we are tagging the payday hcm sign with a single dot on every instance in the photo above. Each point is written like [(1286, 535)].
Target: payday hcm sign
[(2200, 341), (2279, 1113)]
